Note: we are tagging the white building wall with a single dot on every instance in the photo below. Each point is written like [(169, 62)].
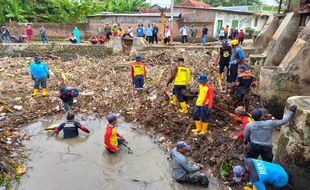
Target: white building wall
[(244, 21)]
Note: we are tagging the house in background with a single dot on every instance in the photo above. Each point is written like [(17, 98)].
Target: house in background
[(188, 12), (238, 18), (201, 14)]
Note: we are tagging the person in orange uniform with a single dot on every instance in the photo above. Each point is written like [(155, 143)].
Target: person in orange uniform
[(242, 116), (138, 73), (203, 104), (112, 139), (180, 74), (243, 83)]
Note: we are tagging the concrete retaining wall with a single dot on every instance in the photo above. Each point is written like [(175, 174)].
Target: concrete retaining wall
[(293, 151), (291, 77), (282, 40), (265, 36), (29, 50)]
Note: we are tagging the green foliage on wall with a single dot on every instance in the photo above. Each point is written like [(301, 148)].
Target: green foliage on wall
[(63, 10)]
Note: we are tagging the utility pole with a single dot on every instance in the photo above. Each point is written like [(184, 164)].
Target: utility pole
[(162, 16), (171, 29), (171, 10), (280, 5)]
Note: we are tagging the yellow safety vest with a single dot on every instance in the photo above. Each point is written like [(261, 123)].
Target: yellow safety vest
[(113, 137), (138, 69), (183, 76), (202, 97)]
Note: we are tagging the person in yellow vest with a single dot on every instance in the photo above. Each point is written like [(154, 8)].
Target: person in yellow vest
[(180, 74), (203, 104), (138, 73), (112, 139)]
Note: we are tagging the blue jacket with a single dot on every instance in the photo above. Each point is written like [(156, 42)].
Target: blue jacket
[(237, 53), (139, 32), (38, 70), (149, 31), (180, 165), (262, 173), (77, 34)]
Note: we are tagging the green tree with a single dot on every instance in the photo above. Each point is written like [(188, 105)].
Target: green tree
[(63, 10), (125, 6)]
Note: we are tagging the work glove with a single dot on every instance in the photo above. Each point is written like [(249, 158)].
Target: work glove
[(292, 108), (48, 76), (32, 77)]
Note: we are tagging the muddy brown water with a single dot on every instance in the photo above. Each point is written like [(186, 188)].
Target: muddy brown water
[(82, 163)]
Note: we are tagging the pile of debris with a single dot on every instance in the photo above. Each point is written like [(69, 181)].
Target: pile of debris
[(105, 87)]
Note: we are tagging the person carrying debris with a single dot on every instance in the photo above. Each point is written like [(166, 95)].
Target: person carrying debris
[(70, 127), (259, 133), (258, 173), (39, 74), (180, 74), (183, 170), (66, 94), (237, 59), (242, 116), (224, 58), (112, 139), (203, 104), (243, 83), (138, 73)]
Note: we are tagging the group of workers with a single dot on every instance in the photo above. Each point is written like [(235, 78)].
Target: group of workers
[(256, 129)]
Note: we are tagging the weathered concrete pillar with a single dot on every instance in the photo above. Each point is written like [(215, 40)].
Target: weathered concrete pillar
[(265, 35), (292, 77), (116, 44), (275, 88), (293, 151), (138, 44), (282, 40)]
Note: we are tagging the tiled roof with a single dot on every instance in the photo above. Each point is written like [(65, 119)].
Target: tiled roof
[(193, 3)]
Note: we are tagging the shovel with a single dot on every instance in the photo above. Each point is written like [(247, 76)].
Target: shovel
[(124, 143)]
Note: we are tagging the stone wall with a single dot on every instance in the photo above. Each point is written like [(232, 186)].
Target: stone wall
[(54, 30), (62, 50), (291, 77), (293, 151), (199, 18)]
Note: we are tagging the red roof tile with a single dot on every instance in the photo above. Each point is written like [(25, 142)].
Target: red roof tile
[(193, 3)]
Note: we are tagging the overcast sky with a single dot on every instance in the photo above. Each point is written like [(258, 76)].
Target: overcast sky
[(166, 3)]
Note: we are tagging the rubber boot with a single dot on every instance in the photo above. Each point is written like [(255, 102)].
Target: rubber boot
[(220, 76), (35, 92), (198, 127), (44, 92), (174, 100), (204, 129), (183, 107)]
